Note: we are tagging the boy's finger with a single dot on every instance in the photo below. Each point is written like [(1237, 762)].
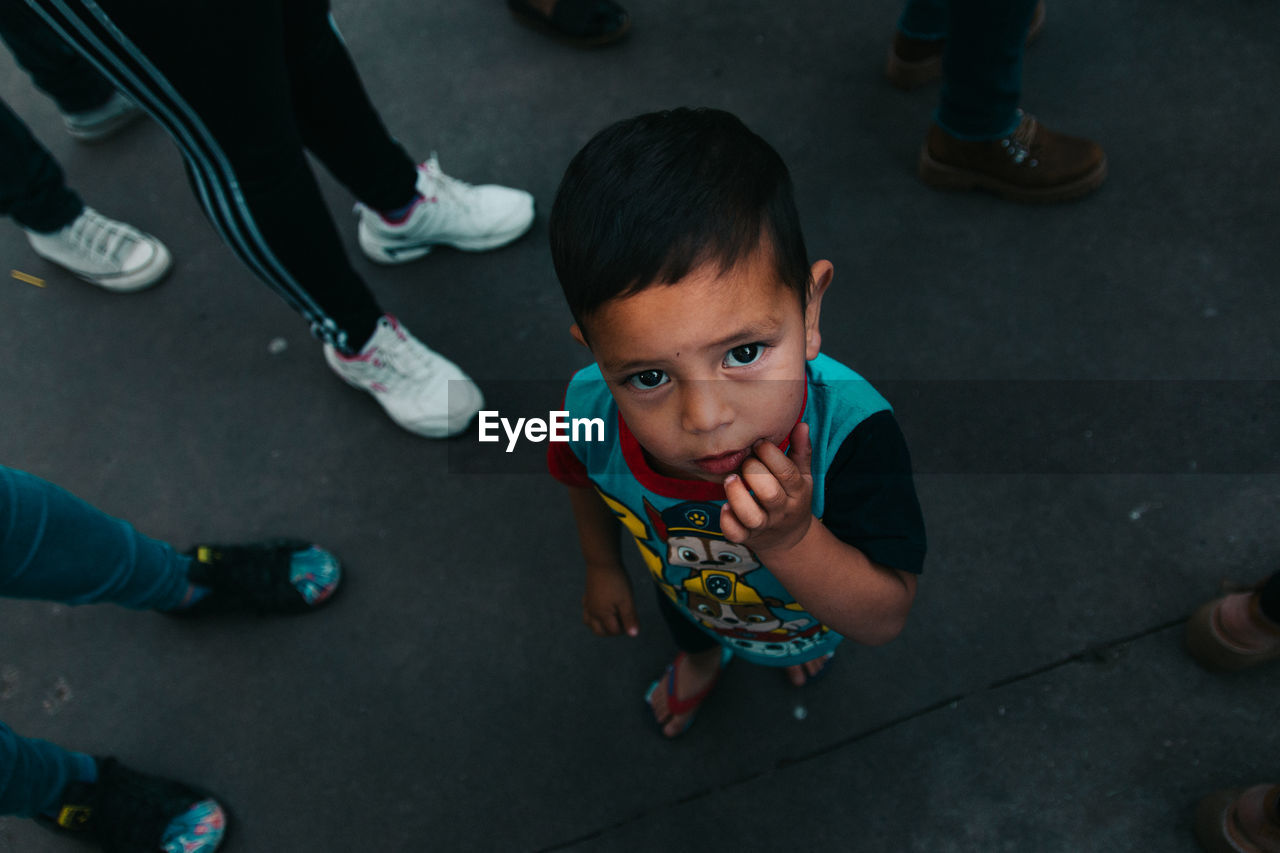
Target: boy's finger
[(748, 512), (763, 483), (627, 616), (731, 527), (785, 470), (802, 449)]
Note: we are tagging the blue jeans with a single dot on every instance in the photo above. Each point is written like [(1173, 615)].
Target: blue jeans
[(32, 188), (981, 63), (55, 546)]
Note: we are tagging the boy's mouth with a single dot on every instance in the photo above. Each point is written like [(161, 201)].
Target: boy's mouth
[(723, 463)]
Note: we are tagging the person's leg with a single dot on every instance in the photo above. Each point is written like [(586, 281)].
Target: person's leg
[(56, 69), (405, 210), (676, 696), (34, 773), (59, 227), (982, 67), (979, 138), (924, 19), (56, 546), (225, 99), (119, 808), (33, 189), (335, 118)]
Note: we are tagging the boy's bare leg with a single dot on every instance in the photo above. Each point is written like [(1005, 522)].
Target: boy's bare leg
[(801, 673), (695, 673)]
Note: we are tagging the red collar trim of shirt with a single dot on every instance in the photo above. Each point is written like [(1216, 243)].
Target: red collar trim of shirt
[(672, 487)]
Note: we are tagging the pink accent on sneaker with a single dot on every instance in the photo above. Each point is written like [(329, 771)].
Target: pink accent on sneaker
[(366, 355), (408, 211)]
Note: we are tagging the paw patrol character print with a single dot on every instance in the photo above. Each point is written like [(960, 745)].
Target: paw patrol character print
[(716, 589), (728, 604), (691, 531)]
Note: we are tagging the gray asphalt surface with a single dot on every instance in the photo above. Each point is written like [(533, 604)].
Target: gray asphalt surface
[(1039, 699)]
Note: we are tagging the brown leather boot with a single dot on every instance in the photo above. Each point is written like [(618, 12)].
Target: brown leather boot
[(1240, 820), (1032, 164), (914, 62)]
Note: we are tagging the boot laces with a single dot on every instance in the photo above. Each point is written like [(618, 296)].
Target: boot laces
[(443, 186), (1018, 144), (406, 359)]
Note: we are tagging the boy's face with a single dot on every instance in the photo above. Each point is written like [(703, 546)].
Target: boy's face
[(703, 369)]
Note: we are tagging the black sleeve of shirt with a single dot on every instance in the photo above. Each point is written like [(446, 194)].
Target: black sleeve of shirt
[(871, 499)]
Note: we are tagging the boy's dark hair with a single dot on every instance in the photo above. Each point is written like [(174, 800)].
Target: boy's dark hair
[(651, 198)]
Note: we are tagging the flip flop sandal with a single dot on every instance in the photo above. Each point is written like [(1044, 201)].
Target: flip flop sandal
[(584, 23), (689, 706)]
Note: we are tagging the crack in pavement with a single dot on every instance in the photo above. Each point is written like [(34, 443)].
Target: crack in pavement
[(1098, 653)]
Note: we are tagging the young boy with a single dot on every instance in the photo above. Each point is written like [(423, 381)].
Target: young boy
[(767, 487)]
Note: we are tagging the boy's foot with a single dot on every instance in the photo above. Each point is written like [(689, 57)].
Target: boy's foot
[(420, 389), (125, 811), (684, 686), (801, 674), (914, 62), (1032, 164), (1242, 820), (104, 121), (277, 576), (111, 254), (450, 213), (584, 23), (1232, 633)]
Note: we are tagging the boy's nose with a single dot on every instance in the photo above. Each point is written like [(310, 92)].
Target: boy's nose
[(703, 409)]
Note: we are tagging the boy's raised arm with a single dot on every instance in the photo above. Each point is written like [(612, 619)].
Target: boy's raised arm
[(768, 510)]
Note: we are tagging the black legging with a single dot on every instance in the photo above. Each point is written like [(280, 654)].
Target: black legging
[(243, 86)]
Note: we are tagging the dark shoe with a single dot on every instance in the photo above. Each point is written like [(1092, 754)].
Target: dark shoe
[(278, 576), (1241, 820), (914, 62), (585, 23), (1215, 648), (130, 812), (1031, 164)]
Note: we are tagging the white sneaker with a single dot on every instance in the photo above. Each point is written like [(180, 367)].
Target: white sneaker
[(113, 255), (451, 213), (93, 125), (421, 390)]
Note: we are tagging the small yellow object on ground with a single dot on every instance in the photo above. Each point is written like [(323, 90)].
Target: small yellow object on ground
[(27, 277)]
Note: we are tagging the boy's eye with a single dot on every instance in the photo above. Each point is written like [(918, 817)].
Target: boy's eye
[(743, 355), (646, 379)]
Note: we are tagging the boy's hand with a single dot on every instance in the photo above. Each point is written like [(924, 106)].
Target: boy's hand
[(779, 513), (608, 607)]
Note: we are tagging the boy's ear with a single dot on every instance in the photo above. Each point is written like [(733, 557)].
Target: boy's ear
[(820, 275), (578, 336)]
